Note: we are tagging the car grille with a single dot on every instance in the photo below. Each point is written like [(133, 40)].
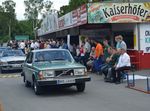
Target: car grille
[(68, 72), (15, 62)]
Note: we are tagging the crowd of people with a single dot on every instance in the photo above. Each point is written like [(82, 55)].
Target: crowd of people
[(97, 57)]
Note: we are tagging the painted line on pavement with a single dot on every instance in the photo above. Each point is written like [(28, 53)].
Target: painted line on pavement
[(9, 76)]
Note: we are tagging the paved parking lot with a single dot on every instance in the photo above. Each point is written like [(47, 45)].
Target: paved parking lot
[(97, 96)]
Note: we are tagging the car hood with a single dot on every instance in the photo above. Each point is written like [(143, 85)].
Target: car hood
[(13, 58), (47, 65)]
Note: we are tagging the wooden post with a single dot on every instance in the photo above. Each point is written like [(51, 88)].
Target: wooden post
[(148, 88)]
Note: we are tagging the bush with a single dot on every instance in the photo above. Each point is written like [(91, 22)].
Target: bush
[(4, 39)]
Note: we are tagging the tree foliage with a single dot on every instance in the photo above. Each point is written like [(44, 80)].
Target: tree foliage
[(9, 25), (7, 18), (9, 6), (36, 7), (74, 4), (24, 27), (63, 10)]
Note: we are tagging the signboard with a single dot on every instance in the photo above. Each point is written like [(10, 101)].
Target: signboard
[(79, 16), (145, 37), (51, 23), (118, 12), (21, 37), (75, 18), (65, 21)]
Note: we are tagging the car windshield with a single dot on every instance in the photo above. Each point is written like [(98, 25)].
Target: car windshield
[(1, 51), (56, 55), (13, 53)]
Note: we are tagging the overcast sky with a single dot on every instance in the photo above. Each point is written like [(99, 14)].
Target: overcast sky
[(20, 6)]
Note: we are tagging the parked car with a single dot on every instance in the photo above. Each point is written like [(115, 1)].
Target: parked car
[(11, 60), (53, 67), (3, 49)]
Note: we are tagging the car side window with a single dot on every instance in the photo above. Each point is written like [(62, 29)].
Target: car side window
[(30, 57)]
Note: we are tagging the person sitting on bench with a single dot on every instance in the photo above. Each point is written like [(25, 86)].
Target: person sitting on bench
[(123, 64)]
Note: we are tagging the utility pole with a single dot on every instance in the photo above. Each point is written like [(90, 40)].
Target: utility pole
[(9, 26)]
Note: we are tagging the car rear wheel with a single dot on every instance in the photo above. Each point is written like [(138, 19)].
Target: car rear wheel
[(80, 87), (37, 88)]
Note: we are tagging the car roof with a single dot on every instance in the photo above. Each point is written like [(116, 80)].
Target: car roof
[(5, 48), (40, 50)]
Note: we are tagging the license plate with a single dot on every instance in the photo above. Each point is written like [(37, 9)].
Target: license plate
[(16, 65), (65, 81)]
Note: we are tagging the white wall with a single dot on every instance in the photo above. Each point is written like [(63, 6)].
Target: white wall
[(145, 38)]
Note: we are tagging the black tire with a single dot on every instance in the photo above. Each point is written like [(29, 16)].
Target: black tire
[(1, 71), (36, 88), (80, 87)]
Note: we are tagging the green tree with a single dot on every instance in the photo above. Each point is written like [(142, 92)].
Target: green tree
[(7, 17), (73, 4), (1, 9), (34, 8), (24, 27), (63, 10), (47, 8)]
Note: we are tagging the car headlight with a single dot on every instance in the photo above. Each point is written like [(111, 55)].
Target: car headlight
[(79, 71), (3, 63), (48, 73)]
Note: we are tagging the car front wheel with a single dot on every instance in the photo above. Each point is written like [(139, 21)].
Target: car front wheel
[(80, 87), (37, 88)]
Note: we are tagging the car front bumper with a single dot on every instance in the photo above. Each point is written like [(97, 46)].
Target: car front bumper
[(64, 81), (11, 67)]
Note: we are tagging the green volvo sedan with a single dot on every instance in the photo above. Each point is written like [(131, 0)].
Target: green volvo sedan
[(53, 67)]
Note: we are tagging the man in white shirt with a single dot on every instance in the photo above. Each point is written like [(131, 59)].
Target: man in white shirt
[(36, 45), (22, 46), (32, 45), (123, 64)]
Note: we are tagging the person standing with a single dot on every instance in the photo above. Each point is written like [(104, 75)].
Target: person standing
[(22, 46), (120, 43), (107, 49), (82, 54), (64, 45), (87, 50), (98, 56)]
